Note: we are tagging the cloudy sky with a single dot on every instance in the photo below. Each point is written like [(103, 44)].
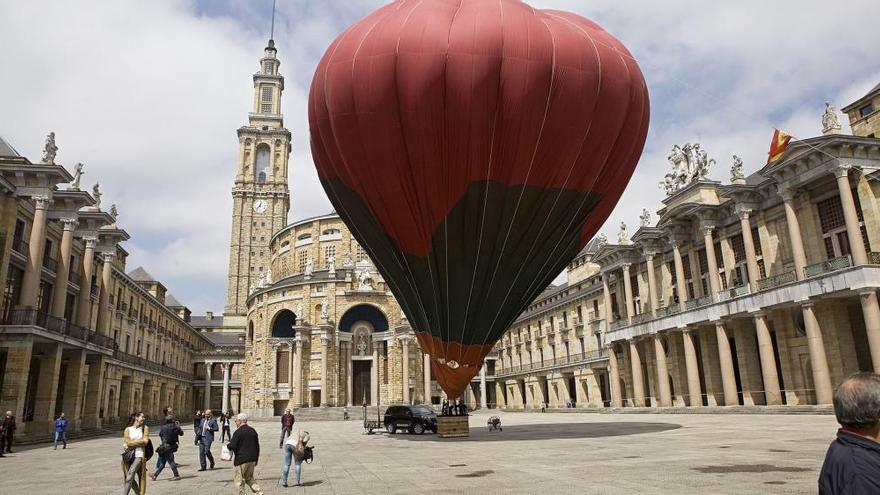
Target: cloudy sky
[(149, 95)]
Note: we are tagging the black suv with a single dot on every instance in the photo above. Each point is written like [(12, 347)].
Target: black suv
[(414, 419)]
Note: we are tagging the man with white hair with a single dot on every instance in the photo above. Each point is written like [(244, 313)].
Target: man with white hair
[(245, 444)]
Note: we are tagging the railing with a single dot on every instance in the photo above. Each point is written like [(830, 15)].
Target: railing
[(777, 280), (641, 318), (94, 291), (20, 246), (552, 363), (697, 303), (59, 326), (150, 365), (734, 292), (50, 263), (617, 324), (827, 266), (874, 258), (668, 310)]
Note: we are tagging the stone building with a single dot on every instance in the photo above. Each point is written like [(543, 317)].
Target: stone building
[(759, 291), (77, 333), (864, 114)]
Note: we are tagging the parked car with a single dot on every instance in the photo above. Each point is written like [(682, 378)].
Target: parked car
[(414, 419)]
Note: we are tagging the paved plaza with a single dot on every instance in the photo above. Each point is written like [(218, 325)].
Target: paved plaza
[(536, 453)]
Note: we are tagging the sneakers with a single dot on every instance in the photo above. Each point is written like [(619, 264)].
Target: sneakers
[(176, 478), (152, 476)]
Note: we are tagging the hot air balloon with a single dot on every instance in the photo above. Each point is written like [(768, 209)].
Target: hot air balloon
[(473, 147)]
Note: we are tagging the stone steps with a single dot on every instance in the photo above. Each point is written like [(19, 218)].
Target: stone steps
[(804, 409)]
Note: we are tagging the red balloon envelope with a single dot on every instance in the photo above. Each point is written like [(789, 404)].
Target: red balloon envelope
[(474, 147)]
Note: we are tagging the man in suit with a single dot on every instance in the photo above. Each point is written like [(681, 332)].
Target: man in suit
[(205, 434)]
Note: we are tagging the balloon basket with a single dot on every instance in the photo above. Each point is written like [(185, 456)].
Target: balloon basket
[(453, 426)]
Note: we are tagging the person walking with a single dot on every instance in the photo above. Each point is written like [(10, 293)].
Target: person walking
[(169, 434), (206, 431), (8, 431), (852, 464), (135, 437), (197, 420), (287, 421), (245, 444), (294, 448), (60, 431), (225, 418)]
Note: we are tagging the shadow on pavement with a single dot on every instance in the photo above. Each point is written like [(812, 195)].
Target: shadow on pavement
[(546, 432)]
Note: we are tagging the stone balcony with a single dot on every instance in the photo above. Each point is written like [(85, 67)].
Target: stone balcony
[(784, 291), (553, 364)]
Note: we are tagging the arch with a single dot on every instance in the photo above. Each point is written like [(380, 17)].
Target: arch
[(283, 323), (363, 312), (261, 168)]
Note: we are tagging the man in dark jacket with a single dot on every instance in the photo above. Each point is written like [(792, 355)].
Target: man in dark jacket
[(287, 421), (169, 435), (8, 431), (205, 433), (852, 464), (245, 444)]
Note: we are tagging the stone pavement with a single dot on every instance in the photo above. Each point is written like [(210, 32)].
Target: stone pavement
[(536, 453)]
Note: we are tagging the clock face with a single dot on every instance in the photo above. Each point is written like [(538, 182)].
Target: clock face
[(260, 205)]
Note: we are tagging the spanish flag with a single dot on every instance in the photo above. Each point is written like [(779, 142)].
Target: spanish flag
[(778, 145)]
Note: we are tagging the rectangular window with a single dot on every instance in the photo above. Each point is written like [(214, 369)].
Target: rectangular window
[(318, 288), (267, 67), (866, 110), (361, 254), (282, 371), (328, 252), (266, 108), (266, 94), (303, 259)]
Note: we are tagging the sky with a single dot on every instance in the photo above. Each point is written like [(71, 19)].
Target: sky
[(149, 96)]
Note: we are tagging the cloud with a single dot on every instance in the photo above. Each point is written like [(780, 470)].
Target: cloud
[(149, 95)]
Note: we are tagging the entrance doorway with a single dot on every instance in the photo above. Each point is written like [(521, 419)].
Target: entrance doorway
[(315, 398), (360, 381)]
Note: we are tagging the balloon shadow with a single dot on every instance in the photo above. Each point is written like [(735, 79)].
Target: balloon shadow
[(549, 431)]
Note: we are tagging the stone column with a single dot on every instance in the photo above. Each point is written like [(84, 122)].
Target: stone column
[(772, 393), (714, 283), (725, 360), (84, 305), (427, 370), (297, 371), (349, 374), (794, 233), (30, 285), (291, 351), (818, 358), (871, 313), (628, 293), (749, 243), (47, 385), (484, 404), (665, 399), (680, 284), (692, 367), (207, 404), (72, 398), (614, 377), (62, 275), (225, 406), (374, 374), (104, 295), (404, 363), (606, 296), (652, 284), (850, 216), (638, 383), (94, 392), (15, 382), (325, 370)]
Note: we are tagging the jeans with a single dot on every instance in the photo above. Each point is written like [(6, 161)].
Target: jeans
[(289, 455), (168, 458), (205, 451), (285, 432), (130, 483), (226, 434), (63, 436)]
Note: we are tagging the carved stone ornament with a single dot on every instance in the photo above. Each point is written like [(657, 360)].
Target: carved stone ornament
[(77, 176), (602, 239), (830, 120), (96, 193), (645, 218), (690, 163), (310, 265), (365, 281)]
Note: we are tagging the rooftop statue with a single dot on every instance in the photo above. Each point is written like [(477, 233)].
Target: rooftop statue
[(77, 176), (622, 236), (96, 193), (50, 150), (830, 121), (645, 218), (736, 171), (602, 239), (690, 163)]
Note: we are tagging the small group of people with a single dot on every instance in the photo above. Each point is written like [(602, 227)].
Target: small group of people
[(455, 408), (244, 445), (7, 433)]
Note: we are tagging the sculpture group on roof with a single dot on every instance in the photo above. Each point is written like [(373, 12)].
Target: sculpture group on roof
[(690, 163)]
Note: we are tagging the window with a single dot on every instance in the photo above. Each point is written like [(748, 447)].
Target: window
[(833, 226), (318, 288), (361, 253), (267, 67), (866, 110), (261, 169), (266, 94), (303, 259), (330, 232), (266, 108), (328, 252)]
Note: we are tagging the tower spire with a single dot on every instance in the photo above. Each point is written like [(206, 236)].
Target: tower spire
[(272, 31)]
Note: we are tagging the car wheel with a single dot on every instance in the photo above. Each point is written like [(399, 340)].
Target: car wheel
[(390, 428), (418, 428)]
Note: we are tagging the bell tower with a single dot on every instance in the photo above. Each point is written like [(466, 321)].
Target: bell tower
[(261, 198)]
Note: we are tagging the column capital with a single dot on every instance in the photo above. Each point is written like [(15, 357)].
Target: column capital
[(676, 244), (208, 364), (807, 304), (404, 339), (866, 293), (687, 330), (41, 201), (69, 224), (225, 366), (108, 257), (842, 170), (90, 242), (626, 266), (649, 255), (325, 339), (743, 212), (786, 193), (377, 344), (707, 229), (758, 314)]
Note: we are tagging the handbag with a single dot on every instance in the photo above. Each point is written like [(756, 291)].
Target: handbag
[(163, 448), (148, 450), (128, 456), (225, 454)]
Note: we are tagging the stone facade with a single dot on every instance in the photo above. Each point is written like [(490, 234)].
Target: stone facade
[(864, 114)]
